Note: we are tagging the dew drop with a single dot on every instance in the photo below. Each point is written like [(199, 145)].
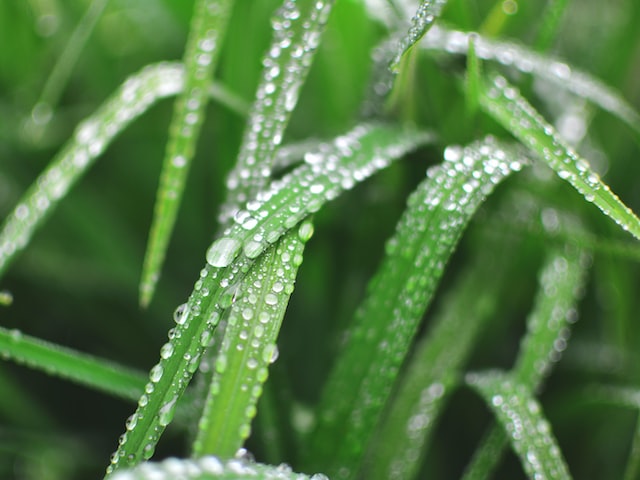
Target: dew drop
[(222, 252)]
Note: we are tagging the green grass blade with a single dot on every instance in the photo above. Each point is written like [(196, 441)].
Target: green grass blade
[(386, 322), (348, 160), (520, 415), (297, 31), (527, 61), (249, 347), (550, 23), (201, 56), (91, 138), (560, 285), (403, 436), (505, 104), (472, 78), (211, 468), (72, 365), (427, 13)]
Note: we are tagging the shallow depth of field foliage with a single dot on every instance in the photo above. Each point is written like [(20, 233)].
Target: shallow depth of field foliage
[(381, 239)]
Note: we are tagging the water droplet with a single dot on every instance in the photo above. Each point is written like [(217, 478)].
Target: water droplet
[(223, 251), (156, 373)]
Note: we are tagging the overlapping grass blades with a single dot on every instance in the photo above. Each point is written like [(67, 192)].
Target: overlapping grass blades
[(520, 415), (505, 104), (400, 292), (549, 68), (203, 48), (548, 327), (211, 468), (91, 138)]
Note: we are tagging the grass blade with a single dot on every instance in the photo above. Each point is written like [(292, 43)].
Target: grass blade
[(91, 138), (504, 103), (201, 55), (435, 367), (427, 13), (72, 365), (386, 322), (249, 347), (211, 468), (472, 79), (520, 415), (561, 282), (550, 23), (527, 61)]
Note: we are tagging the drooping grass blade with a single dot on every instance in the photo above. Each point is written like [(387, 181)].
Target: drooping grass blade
[(435, 367), (249, 347), (505, 104), (520, 416), (203, 48), (91, 138), (549, 68), (427, 13), (72, 365), (399, 294), (560, 286), (211, 468)]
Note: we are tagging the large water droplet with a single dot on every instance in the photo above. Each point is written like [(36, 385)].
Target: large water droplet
[(222, 252)]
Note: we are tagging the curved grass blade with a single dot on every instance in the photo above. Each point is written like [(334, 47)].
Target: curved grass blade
[(297, 28), (91, 138), (399, 294), (427, 13), (549, 68), (201, 55), (348, 160), (363, 151), (505, 104), (249, 347), (72, 365), (560, 285), (520, 416), (211, 468), (53, 88), (403, 436)]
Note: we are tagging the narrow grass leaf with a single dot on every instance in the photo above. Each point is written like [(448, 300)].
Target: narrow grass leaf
[(398, 296), (472, 83), (402, 439), (211, 468), (348, 160), (520, 416), (549, 24), (72, 365), (249, 347), (505, 104), (561, 283), (427, 13), (201, 55), (91, 138), (549, 68), (297, 31)]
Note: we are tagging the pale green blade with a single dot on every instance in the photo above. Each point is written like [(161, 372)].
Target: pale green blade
[(297, 31), (521, 417), (427, 13), (549, 23), (91, 138), (549, 68), (211, 468), (71, 365), (203, 48), (386, 322), (505, 104), (249, 347)]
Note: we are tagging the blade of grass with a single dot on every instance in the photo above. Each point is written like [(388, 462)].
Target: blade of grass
[(549, 68), (203, 48), (505, 104), (399, 294), (560, 285), (520, 416), (72, 365), (211, 468), (249, 347), (436, 366), (363, 151), (427, 13), (472, 83), (549, 24)]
